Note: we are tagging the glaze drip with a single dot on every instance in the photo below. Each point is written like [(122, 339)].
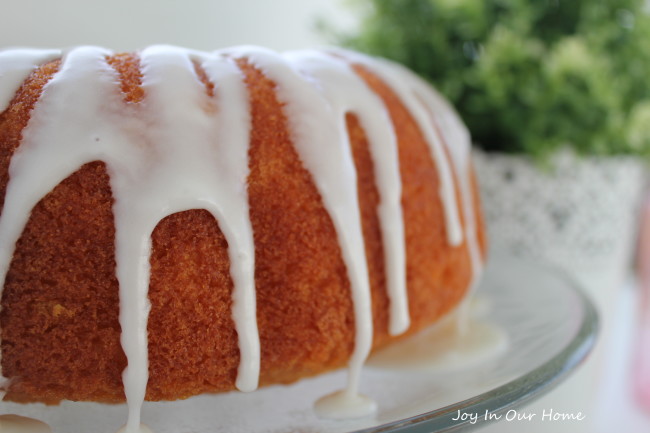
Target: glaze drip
[(19, 424), (183, 148), (403, 85), (346, 92), (322, 143), (452, 130)]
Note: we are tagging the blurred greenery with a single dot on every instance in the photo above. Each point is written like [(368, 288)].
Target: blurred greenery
[(527, 76)]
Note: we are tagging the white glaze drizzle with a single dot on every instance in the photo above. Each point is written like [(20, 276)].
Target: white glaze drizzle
[(429, 108), (400, 84), (346, 92), (200, 148), (324, 149), (232, 135), (452, 130)]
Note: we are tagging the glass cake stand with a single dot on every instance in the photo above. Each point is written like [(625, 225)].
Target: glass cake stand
[(550, 325)]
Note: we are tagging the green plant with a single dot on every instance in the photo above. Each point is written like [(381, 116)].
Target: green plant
[(527, 76)]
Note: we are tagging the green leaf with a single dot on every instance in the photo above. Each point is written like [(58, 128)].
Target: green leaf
[(526, 75)]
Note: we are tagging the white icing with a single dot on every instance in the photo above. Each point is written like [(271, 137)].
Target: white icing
[(19, 424), (430, 109), (324, 149), (182, 149), (345, 405), (142, 428), (15, 67), (458, 142), (232, 134), (400, 83), (346, 92)]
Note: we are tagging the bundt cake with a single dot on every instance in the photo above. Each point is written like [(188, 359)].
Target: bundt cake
[(177, 222)]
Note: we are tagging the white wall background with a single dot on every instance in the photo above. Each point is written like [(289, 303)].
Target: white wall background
[(198, 24)]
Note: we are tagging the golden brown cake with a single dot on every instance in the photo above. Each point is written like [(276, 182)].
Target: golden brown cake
[(318, 159)]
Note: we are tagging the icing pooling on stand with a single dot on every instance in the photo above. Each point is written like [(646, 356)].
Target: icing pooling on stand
[(444, 347), (209, 171), (19, 424)]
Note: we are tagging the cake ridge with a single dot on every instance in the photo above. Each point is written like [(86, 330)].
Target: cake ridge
[(15, 66)]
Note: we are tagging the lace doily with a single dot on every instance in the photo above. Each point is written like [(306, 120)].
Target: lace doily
[(578, 213)]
